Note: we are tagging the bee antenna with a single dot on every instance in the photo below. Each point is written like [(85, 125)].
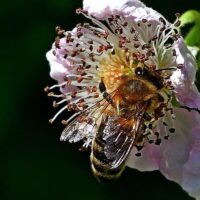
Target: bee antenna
[(169, 68)]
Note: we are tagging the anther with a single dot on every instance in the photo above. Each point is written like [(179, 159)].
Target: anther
[(50, 121), (46, 89), (154, 38), (164, 123), (177, 15), (79, 11), (178, 23), (174, 52), (166, 137), (180, 66), (73, 94), (79, 34), (132, 30), (55, 104), (150, 126), (57, 42), (158, 141), (125, 24), (150, 141), (161, 19), (64, 122), (172, 130), (156, 134), (58, 28), (144, 20), (146, 46), (138, 154), (50, 94), (137, 45)]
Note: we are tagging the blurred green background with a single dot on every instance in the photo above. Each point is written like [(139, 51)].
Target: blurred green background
[(34, 163)]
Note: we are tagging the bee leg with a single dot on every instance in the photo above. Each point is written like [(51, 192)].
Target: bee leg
[(106, 96)]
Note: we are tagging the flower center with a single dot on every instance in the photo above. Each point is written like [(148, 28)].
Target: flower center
[(110, 54), (116, 66)]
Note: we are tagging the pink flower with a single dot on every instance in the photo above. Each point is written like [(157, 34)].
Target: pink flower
[(135, 35)]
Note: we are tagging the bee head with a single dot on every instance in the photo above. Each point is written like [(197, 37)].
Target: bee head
[(152, 76), (141, 71)]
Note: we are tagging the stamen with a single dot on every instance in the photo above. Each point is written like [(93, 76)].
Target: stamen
[(111, 53), (58, 113), (58, 85)]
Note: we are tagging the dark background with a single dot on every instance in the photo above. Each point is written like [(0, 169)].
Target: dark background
[(34, 163)]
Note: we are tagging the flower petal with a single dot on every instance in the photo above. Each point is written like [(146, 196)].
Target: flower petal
[(134, 8), (177, 158), (191, 169), (57, 69), (183, 79), (104, 8), (148, 161)]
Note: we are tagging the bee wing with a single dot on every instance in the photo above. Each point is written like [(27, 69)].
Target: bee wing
[(84, 126), (78, 130), (119, 135)]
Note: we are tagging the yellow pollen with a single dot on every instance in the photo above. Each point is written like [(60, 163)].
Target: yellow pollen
[(114, 69)]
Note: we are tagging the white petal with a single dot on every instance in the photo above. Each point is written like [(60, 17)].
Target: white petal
[(148, 161), (178, 158), (191, 169), (57, 70), (134, 8), (175, 152), (183, 79), (103, 8)]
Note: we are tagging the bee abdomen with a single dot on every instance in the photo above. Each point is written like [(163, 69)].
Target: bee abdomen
[(100, 164)]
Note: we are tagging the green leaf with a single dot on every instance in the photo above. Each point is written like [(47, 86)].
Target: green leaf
[(193, 36)]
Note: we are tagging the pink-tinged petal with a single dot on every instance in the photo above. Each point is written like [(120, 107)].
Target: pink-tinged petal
[(191, 169), (57, 70), (178, 158), (127, 8), (175, 151), (148, 161), (103, 8), (183, 79)]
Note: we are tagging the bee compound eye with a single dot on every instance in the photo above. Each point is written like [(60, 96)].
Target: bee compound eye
[(139, 71)]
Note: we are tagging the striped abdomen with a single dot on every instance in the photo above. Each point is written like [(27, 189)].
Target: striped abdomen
[(101, 165)]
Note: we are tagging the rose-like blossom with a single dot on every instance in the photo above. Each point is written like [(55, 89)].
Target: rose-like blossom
[(93, 61)]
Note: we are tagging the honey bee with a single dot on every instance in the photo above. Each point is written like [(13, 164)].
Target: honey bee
[(119, 122)]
